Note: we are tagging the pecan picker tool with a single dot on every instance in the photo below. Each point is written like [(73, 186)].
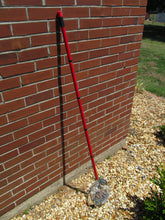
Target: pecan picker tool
[(99, 191)]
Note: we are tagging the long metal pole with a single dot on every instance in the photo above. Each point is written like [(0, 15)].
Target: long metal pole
[(59, 13)]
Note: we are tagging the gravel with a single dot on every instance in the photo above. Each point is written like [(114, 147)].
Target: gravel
[(128, 173)]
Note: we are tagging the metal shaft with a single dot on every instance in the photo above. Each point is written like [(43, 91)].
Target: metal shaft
[(59, 13)]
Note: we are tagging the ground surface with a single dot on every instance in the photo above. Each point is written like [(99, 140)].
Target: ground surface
[(127, 172)]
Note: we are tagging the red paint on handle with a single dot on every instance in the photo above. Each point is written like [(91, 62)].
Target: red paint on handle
[(59, 13)]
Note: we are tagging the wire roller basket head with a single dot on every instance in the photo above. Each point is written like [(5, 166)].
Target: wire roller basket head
[(99, 192)]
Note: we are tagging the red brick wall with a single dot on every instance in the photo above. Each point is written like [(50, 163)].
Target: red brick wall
[(104, 38)]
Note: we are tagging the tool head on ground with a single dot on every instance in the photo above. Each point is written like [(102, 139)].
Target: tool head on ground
[(99, 192)]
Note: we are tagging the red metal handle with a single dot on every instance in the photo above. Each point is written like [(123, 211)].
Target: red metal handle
[(59, 13)]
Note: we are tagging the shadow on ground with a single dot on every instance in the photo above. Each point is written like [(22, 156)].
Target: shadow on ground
[(138, 209), (160, 138), (154, 32)]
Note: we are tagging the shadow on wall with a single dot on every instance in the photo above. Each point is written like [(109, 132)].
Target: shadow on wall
[(60, 93)]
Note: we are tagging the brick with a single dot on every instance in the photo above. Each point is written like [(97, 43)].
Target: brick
[(13, 145), (77, 35), (101, 12), (6, 139), (53, 50), (133, 46), (49, 104), (107, 76), (80, 57), (31, 145), (9, 83), (27, 130), (19, 92), (109, 22), (69, 25), (138, 11), (129, 76), (6, 195), (42, 13), (127, 39), (32, 160), (14, 44), (24, 2), (137, 53), (53, 120), (13, 126), (24, 186), (8, 58), (88, 2), (11, 106), (143, 2), (99, 53), (87, 45), (70, 105), (45, 39), (36, 77), (7, 208), (117, 49), (5, 30), (46, 146), (100, 33), (134, 68), (90, 23), (12, 199), (89, 64), (47, 85), (88, 82), (41, 116), (112, 2), (98, 71), (29, 28), (60, 2), (12, 14), (121, 11), (39, 97), (8, 156), (1, 168), (110, 41), (11, 186), (97, 88), (123, 71), (75, 12), (131, 3), (17, 69), (135, 29), (141, 20), (121, 87), (132, 61), (88, 99), (35, 172), (20, 158), (139, 37), (109, 59), (115, 31), (33, 54), (130, 20), (46, 160), (3, 120), (115, 66), (1, 99), (36, 185)]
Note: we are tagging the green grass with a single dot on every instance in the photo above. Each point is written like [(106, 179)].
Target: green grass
[(151, 71)]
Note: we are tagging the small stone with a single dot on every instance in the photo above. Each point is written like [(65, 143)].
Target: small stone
[(139, 168)]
